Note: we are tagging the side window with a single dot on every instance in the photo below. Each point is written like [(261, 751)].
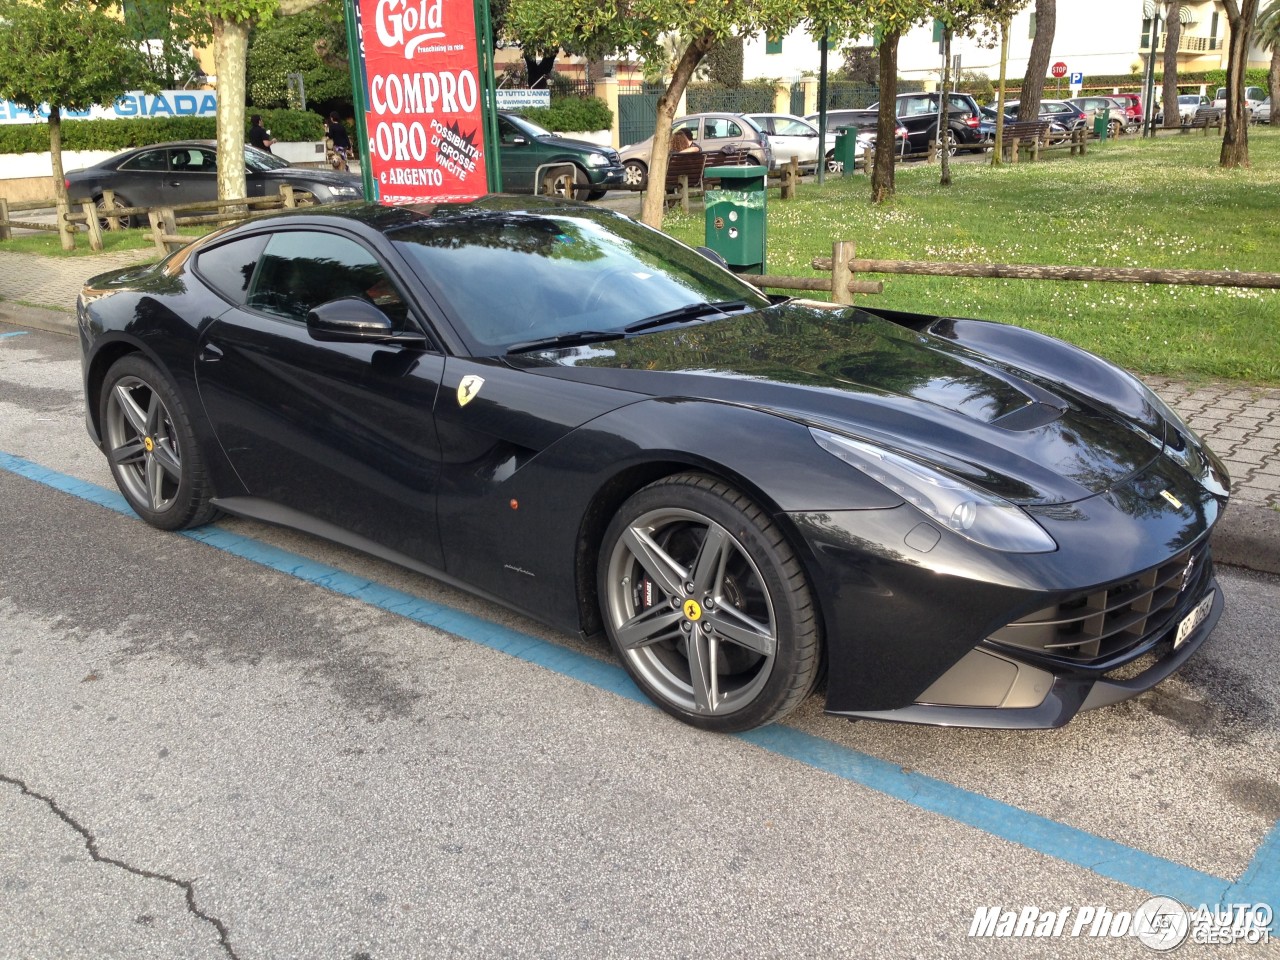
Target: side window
[(151, 160), (228, 268), (958, 105), (688, 126), (507, 131), (302, 269), (732, 130)]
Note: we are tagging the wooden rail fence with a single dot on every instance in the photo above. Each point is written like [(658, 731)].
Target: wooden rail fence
[(845, 267), (84, 215)]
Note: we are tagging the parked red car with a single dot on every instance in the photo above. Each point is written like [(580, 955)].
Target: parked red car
[(1132, 106)]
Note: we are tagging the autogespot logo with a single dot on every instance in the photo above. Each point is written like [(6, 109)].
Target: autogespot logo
[(1161, 923)]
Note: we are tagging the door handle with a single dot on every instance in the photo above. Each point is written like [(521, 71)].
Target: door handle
[(210, 353)]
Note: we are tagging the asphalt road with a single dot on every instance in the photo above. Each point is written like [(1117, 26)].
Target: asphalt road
[(212, 748)]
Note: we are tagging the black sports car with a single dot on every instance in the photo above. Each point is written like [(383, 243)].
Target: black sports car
[(186, 171), (554, 406)]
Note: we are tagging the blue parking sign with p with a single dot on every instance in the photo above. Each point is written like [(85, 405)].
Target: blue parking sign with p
[(1077, 79)]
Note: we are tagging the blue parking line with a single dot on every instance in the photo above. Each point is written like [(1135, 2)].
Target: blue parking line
[(1259, 883), (16, 333)]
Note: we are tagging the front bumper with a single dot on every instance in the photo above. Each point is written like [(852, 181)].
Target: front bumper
[(1014, 695), (607, 176)]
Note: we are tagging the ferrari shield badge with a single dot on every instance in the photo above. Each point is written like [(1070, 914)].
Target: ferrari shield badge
[(468, 388)]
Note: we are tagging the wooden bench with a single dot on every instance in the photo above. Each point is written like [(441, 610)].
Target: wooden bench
[(1204, 118), (1028, 134), (685, 171)]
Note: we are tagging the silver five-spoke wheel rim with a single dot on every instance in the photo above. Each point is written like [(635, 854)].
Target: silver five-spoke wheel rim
[(143, 444), (691, 612)]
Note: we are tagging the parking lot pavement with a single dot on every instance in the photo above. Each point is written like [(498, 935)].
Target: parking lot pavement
[(337, 757)]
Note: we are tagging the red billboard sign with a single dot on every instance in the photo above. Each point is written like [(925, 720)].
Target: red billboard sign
[(423, 99)]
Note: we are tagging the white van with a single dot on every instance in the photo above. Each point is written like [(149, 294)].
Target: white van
[(1252, 97)]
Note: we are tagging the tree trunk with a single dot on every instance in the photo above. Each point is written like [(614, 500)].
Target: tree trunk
[(1172, 35), (886, 145), (997, 151), (654, 207), (944, 123), (1273, 77), (538, 69), (55, 152), (230, 50), (1038, 63), (1241, 15)]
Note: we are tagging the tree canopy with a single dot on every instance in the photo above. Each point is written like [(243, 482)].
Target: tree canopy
[(68, 55)]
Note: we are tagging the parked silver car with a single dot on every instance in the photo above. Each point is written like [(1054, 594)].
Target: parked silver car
[(711, 132)]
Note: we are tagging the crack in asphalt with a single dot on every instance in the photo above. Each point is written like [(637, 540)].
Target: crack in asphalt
[(91, 844)]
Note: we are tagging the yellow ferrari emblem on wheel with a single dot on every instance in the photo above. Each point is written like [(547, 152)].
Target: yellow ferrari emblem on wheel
[(692, 610), (148, 443), (468, 388)]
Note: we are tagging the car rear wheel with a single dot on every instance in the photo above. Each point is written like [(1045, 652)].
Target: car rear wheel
[(635, 175), (151, 447), (952, 144), (834, 165), (1115, 128), (707, 606), (104, 212)]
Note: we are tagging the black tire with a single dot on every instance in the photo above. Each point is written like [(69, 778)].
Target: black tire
[(101, 203), (743, 605), (635, 175), (952, 143), (151, 446), (596, 195), (833, 165), (1115, 128), (568, 185)]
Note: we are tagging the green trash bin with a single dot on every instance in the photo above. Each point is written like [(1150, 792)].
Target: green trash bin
[(736, 216), (846, 149), (1102, 124)]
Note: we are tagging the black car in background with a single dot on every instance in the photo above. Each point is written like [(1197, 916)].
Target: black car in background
[(921, 114), (185, 171), (952, 521)]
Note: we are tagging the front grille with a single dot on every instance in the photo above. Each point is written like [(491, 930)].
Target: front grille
[(612, 157), (1103, 624)]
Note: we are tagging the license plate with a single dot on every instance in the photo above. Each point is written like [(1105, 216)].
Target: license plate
[(1193, 620)]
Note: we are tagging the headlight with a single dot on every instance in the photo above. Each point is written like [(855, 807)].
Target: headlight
[(597, 160), (974, 514), (344, 191)]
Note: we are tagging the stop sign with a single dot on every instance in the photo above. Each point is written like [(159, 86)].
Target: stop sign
[(1059, 70)]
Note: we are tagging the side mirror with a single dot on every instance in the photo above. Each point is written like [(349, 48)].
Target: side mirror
[(713, 256), (519, 141), (352, 320)]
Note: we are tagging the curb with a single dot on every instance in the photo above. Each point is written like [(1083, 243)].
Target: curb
[(1248, 535), (38, 318)]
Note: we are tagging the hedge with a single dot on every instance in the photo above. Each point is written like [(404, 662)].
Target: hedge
[(284, 125), (572, 115)]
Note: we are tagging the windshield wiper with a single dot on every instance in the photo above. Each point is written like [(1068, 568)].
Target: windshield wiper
[(565, 340), (689, 311)]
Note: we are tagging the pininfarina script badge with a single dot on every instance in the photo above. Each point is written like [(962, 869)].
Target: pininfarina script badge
[(468, 388)]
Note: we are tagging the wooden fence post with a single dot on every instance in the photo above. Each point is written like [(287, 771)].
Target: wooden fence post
[(91, 223), (5, 232), (109, 201), (842, 252), (932, 155), (684, 192), (868, 162), (286, 195), (66, 229), (791, 178)]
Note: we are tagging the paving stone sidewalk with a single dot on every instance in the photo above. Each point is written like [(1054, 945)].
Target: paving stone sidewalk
[(1241, 423)]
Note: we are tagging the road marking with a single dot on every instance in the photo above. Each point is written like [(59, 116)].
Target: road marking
[(1259, 883), (16, 333)]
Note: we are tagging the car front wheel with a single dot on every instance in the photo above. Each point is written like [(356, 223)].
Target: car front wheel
[(151, 447), (635, 175), (707, 606), (105, 210)]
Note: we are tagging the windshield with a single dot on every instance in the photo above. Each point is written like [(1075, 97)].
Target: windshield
[(511, 277), (257, 161), (529, 127), (792, 127)]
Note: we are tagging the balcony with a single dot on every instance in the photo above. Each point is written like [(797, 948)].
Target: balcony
[(1191, 46)]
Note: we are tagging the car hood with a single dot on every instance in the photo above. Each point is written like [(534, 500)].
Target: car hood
[(568, 143), (1021, 435)]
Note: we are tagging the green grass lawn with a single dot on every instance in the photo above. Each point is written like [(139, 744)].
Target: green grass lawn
[(1162, 203)]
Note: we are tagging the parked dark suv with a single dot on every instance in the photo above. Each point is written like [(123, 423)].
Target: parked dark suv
[(918, 112), (526, 148)]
